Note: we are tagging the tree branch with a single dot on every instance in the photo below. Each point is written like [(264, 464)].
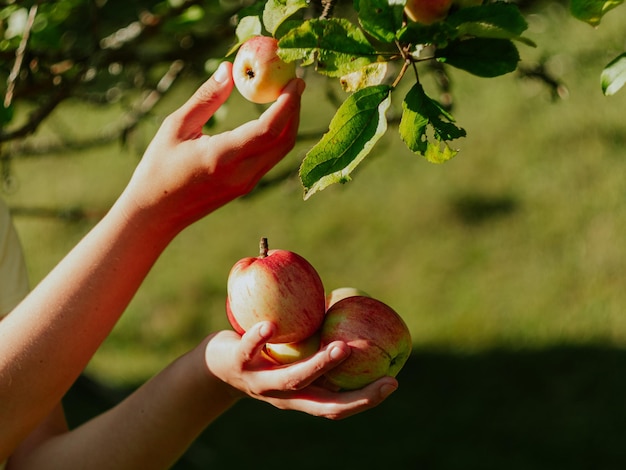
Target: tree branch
[(19, 56), (128, 122)]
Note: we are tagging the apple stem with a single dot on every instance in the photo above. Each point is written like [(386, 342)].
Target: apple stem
[(263, 248)]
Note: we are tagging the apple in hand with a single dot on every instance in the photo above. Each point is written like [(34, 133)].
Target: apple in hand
[(378, 337), (258, 72), (427, 11), (286, 353), (341, 293), (279, 286)]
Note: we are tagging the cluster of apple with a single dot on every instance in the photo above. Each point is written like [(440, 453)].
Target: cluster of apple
[(283, 287)]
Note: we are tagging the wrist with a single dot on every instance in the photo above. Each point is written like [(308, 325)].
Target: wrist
[(215, 386), (148, 220)]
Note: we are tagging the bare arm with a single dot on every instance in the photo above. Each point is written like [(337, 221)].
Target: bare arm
[(163, 417), (48, 339)]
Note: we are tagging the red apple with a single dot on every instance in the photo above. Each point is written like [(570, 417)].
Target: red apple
[(258, 72), (286, 353), (427, 11), (341, 293), (379, 339), (279, 286)]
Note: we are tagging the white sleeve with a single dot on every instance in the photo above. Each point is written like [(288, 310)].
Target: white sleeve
[(13, 274)]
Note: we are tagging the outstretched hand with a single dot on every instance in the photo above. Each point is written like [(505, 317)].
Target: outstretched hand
[(238, 361), (186, 174)]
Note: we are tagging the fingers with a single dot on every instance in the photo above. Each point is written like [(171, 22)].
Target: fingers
[(254, 339), (198, 109), (319, 401), (295, 386), (345, 404), (303, 373), (274, 132)]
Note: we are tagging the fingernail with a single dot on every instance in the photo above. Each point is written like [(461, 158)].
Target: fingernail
[(387, 390), (220, 74), (266, 330), (336, 353)]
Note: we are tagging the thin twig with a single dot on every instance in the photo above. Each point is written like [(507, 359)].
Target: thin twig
[(19, 56), (127, 123), (327, 9)]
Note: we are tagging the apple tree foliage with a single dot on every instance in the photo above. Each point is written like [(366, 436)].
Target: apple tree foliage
[(130, 52), (374, 47)]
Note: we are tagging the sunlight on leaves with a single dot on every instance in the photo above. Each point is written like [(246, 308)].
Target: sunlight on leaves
[(419, 113), (370, 75), (614, 75), (277, 11), (592, 11), (354, 130), (336, 46)]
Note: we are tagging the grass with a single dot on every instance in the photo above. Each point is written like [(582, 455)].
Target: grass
[(555, 408), (516, 241), (506, 262)]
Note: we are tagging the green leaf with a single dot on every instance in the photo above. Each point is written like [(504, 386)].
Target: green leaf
[(252, 9), (354, 130), (247, 27), (278, 11), (483, 57), (370, 75), (287, 26), (380, 18), (421, 113), (493, 20), (613, 76), (438, 34), (337, 46), (592, 11), (439, 152)]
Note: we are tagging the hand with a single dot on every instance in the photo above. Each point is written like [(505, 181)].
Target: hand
[(185, 174), (239, 362)]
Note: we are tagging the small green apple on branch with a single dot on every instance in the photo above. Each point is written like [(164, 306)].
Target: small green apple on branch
[(383, 43)]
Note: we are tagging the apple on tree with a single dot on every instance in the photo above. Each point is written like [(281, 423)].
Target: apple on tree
[(259, 73), (427, 11), (378, 337), (280, 286)]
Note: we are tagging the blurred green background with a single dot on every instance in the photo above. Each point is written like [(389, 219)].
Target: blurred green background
[(507, 263)]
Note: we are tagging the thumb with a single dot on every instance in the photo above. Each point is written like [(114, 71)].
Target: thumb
[(207, 99)]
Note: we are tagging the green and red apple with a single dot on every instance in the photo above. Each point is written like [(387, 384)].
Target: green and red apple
[(278, 286), (287, 353), (340, 293), (379, 339), (259, 73)]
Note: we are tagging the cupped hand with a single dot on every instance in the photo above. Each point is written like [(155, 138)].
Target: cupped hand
[(186, 174), (238, 361)]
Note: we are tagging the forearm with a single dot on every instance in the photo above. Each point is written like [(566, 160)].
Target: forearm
[(49, 338), (150, 429), (183, 176)]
